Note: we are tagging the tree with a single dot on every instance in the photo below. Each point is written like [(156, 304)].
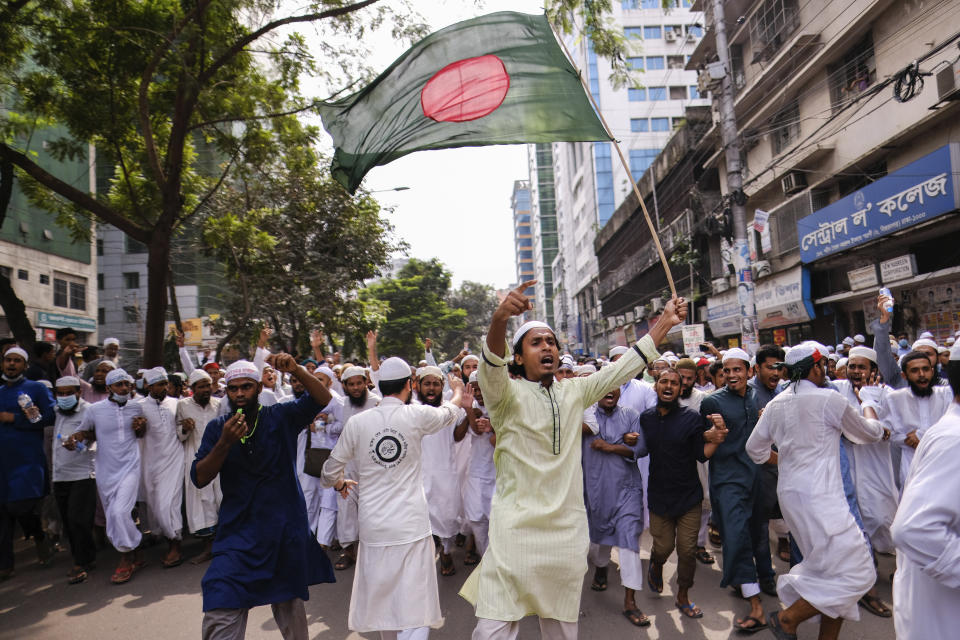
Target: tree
[(147, 83), (416, 308), (478, 302)]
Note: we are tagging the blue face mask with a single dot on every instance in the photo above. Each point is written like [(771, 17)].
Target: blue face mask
[(67, 402), (904, 344), (120, 397)]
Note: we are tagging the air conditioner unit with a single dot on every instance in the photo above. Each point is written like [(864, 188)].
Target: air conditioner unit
[(639, 313), (611, 322), (656, 305), (793, 182), (762, 268), (720, 285), (620, 321), (628, 316), (691, 37), (670, 36), (948, 83)]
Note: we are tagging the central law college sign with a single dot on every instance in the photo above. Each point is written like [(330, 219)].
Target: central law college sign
[(922, 190)]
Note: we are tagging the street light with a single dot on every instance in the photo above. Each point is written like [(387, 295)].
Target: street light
[(393, 189)]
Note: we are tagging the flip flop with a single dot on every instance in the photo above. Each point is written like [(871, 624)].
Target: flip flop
[(704, 557), (689, 610), (345, 561), (173, 563), (447, 568), (773, 621), (636, 618), (76, 577), (655, 585), (875, 605), (122, 575), (599, 579), (471, 559), (758, 625)]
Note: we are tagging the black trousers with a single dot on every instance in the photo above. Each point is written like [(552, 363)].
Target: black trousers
[(77, 501), (27, 513)]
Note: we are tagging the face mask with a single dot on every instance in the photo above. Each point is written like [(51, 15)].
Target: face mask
[(904, 344), (67, 402), (7, 378), (120, 397)]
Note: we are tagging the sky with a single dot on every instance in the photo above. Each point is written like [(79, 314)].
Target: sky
[(457, 206)]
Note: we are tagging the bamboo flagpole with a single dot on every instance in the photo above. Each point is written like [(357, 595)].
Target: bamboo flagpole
[(623, 160)]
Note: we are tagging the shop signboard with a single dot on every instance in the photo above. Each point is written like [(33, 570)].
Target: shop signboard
[(723, 314), (784, 298), (920, 191), (693, 337), (863, 278), (899, 268), (62, 320)]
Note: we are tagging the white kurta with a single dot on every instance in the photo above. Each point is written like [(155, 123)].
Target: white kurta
[(441, 482), (805, 424), (348, 526), (926, 589), (163, 473), (203, 505), (873, 476), (904, 412)]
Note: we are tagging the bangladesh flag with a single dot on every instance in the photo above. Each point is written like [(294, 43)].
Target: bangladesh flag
[(496, 79)]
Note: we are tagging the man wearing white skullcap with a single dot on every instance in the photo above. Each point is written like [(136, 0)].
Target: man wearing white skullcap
[(481, 479), (539, 425), (117, 424), (926, 530), (262, 517), (395, 584), (23, 464), (805, 423), (111, 351), (192, 416)]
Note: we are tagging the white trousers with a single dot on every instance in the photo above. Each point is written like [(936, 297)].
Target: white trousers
[(481, 534), (704, 528), (631, 568), (326, 526), (420, 633), (502, 630)]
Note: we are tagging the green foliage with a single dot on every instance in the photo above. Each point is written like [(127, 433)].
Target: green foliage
[(479, 302)]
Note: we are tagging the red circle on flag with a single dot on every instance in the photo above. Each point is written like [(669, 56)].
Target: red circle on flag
[(466, 90)]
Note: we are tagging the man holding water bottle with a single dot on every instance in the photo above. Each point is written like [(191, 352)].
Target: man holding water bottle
[(26, 407)]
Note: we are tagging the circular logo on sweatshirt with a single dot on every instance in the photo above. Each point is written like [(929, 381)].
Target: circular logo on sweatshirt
[(388, 448)]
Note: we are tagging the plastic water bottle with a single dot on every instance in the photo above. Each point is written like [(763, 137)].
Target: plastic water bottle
[(321, 425), (889, 305), (79, 444), (26, 402)]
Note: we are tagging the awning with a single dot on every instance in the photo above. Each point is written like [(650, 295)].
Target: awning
[(723, 314)]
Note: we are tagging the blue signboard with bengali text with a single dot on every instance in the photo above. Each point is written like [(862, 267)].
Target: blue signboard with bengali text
[(922, 190)]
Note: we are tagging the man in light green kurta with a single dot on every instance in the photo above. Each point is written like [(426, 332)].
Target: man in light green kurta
[(537, 555)]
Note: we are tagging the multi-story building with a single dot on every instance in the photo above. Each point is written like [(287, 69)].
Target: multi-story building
[(544, 229), (52, 273), (521, 203), (852, 169), (591, 181)]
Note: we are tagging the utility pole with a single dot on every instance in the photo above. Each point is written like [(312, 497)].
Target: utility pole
[(731, 144)]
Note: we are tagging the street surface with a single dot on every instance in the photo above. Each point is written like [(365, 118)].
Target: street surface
[(166, 604)]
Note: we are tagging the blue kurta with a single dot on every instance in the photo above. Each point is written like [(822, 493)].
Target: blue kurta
[(264, 552), (735, 488), (23, 465), (612, 485)]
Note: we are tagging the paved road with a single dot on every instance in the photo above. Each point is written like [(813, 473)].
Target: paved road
[(166, 604)]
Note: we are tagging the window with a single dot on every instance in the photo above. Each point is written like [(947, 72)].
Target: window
[(523, 230), (678, 93), (639, 125), (675, 62), (78, 296), (101, 315), (652, 33), (675, 29), (658, 93), (60, 293), (637, 95), (23, 274), (651, 4), (770, 25), (44, 279), (660, 124), (786, 128), (694, 92), (99, 246), (695, 29), (131, 280), (131, 314), (6, 272), (635, 33), (655, 63), (627, 5), (525, 242), (635, 63), (99, 282), (640, 161), (853, 74), (134, 246)]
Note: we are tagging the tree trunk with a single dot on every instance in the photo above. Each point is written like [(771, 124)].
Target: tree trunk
[(13, 307), (158, 261)]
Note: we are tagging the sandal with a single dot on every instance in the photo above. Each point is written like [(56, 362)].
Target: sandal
[(77, 576), (773, 621), (875, 605), (655, 585), (122, 575), (447, 568), (170, 564), (599, 579), (345, 561), (783, 549), (636, 618), (757, 625), (704, 556), (471, 558), (690, 610), (714, 535)]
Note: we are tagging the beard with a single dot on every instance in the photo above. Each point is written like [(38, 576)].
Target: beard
[(360, 400), (668, 405), (921, 392), (436, 401), (686, 393)]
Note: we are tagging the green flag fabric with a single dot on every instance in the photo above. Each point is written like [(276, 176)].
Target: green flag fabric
[(497, 79)]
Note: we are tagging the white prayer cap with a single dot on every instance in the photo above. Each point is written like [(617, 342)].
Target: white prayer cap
[(117, 375), (802, 352), (617, 351), (46, 383), (391, 369), (197, 375), (68, 381), (567, 362), (327, 371), (140, 372), (833, 357), (949, 341), (350, 372), (242, 369), (533, 324), (338, 367), (955, 352), (469, 358), (109, 363), (473, 377), (17, 351), (848, 341), (422, 363), (667, 354), (830, 349), (864, 352), (840, 346), (926, 335), (584, 370), (859, 338), (736, 354), (155, 375), (842, 362), (943, 350), (819, 347), (111, 341), (923, 342), (671, 359), (430, 371)]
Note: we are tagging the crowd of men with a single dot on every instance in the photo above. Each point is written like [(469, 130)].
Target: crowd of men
[(537, 462)]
